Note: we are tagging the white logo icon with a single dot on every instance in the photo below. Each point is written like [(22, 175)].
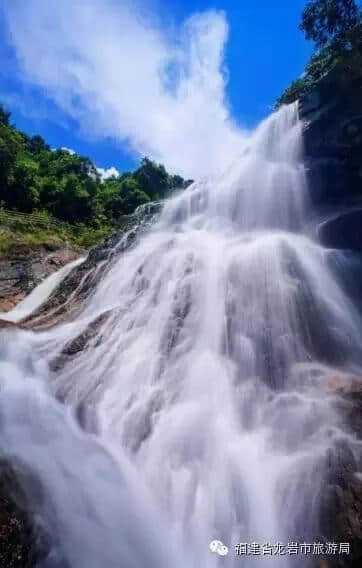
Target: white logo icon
[(219, 547)]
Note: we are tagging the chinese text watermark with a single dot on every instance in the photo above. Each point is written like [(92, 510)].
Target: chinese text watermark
[(291, 548)]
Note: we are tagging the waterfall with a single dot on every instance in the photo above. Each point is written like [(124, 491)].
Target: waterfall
[(198, 409)]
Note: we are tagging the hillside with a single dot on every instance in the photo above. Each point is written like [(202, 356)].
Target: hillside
[(64, 186)]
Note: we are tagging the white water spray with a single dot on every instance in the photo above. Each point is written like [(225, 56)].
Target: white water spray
[(204, 382)]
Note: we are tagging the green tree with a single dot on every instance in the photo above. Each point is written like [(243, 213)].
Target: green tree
[(176, 182), (49, 193), (336, 28), (10, 149), (23, 189), (132, 195), (4, 116), (326, 20), (109, 199), (67, 186), (295, 90), (74, 203), (152, 179), (36, 145)]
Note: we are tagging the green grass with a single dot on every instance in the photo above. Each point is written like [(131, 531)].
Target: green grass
[(13, 239), (12, 242), (42, 230)]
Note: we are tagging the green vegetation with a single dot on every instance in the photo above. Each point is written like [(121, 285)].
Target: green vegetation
[(64, 186), (10, 241), (43, 229), (335, 26)]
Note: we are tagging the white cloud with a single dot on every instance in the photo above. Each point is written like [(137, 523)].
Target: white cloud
[(105, 174), (112, 67), (69, 150)]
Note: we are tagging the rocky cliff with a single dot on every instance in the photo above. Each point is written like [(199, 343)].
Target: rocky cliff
[(333, 146)]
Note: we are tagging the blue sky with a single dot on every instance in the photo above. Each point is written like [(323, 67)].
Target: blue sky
[(83, 74)]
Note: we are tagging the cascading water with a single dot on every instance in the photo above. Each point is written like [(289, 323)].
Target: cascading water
[(202, 394)]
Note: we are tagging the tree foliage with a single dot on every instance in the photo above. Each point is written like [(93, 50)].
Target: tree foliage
[(4, 116), (329, 20), (335, 26), (68, 186)]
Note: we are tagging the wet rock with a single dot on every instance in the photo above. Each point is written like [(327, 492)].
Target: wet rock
[(66, 302), (25, 267), (18, 545), (8, 324), (349, 402), (343, 231), (333, 148), (341, 506), (80, 342), (333, 135), (341, 519), (69, 298)]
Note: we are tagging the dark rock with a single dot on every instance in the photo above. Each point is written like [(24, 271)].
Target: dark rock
[(341, 503), (349, 402), (333, 134), (341, 520), (343, 231), (8, 324), (80, 342), (333, 149), (18, 544)]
